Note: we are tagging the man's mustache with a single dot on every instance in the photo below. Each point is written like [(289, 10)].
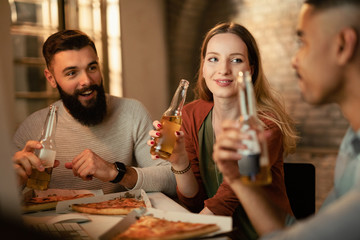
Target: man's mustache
[(85, 89)]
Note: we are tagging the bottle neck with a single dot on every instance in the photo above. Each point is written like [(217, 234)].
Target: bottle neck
[(247, 99), (50, 124), (178, 100)]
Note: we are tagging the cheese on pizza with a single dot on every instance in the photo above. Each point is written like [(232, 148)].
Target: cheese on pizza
[(57, 198), (149, 227), (49, 202), (118, 206)]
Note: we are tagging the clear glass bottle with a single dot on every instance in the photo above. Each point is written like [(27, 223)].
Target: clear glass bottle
[(171, 122), (40, 180), (254, 165)]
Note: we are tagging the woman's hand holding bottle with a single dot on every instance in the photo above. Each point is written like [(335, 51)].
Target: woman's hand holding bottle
[(178, 158)]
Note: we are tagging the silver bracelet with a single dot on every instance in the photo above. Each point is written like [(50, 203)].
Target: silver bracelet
[(182, 171)]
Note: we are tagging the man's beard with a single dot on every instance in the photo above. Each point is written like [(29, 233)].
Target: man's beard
[(90, 115)]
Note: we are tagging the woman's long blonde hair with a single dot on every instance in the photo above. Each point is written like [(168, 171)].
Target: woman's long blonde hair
[(269, 105)]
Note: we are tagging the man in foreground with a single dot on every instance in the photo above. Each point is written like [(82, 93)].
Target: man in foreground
[(327, 64), (100, 139)]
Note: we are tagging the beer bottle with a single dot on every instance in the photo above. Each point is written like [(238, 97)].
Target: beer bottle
[(171, 122), (40, 180), (254, 165)]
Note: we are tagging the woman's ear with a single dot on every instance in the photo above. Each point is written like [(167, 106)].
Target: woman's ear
[(347, 42), (50, 78)]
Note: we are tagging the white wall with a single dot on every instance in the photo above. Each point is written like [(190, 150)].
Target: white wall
[(144, 53)]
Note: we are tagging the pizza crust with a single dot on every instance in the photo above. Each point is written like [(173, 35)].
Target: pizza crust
[(149, 227), (194, 233), (117, 206), (99, 211), (38, 207), (49, 202)]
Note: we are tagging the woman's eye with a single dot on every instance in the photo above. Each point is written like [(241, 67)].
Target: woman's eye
[(213, 59), (237, 60)]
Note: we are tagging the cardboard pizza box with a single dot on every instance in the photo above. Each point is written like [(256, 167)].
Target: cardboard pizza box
[(65, 206), (223, 222)]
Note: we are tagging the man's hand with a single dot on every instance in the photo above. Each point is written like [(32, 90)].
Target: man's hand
[(88, 164), (25, 160)]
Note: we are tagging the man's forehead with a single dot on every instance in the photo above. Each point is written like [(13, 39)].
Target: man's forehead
[(87, 50), (308, 21), (78, 57), (305, 16), (328, 21)]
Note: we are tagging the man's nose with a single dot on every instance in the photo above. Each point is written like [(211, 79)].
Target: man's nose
[(85, 79), (294, 61)]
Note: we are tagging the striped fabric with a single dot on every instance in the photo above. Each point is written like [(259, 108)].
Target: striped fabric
[(120, 137)]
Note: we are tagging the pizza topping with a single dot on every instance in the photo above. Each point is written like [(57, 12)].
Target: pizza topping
[(152, 227), (56, 198), (115, 203), (48, 202), (110, 207)]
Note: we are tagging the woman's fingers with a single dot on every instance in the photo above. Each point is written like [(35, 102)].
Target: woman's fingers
[(157, 124), (154, 133)]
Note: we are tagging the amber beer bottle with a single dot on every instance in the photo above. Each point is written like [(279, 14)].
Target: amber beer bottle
[(40, 180), (254, 165), (171, 122)]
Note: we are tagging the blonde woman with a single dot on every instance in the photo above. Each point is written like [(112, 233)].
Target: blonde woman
[(227, 49)]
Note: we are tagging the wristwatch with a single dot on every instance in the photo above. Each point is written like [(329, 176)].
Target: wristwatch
[(121, 171)]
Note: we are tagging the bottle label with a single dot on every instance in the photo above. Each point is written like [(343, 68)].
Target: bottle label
[(249, 164), (252, 145), (47, 157)]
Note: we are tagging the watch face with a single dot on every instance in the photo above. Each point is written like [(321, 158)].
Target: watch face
[(120, 166), (121, 172)]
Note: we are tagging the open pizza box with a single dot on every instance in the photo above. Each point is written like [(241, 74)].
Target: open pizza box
[(223, 222), (65, 206), (29, 193)]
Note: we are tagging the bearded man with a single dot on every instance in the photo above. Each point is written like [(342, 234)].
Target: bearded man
[(100, 139)]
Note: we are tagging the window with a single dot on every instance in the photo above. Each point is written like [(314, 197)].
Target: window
[(34, 20)]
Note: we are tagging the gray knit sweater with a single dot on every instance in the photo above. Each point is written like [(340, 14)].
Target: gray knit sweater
[(120, 137)]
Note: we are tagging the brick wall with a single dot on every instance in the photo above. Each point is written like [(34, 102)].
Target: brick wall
[(273, 24)]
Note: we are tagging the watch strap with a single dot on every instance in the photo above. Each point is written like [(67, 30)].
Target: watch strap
[(121, 172)]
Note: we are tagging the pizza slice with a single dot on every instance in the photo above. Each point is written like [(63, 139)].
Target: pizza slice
[(49, 202), (117, 206), (149, 227)]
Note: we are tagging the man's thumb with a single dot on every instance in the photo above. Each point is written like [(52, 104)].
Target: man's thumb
[(68, 165)]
